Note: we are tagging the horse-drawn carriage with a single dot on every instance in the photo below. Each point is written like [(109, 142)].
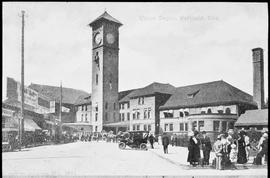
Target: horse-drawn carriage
[(134, 140)]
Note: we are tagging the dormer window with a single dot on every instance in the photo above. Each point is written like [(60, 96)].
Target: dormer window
[(181, 114), (209, 111), (192, 95)]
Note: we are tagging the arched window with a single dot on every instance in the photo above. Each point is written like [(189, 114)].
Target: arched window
[(106, 116), (209, 111), (181, 114), (186, 113), (106, 105), (228, 111)]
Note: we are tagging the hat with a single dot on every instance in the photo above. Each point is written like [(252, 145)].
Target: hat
[(203, 132), (196, 132), (265, 135)]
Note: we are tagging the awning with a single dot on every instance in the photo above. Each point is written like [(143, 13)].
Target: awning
[(12, 124), (30, 125), (118, 124), (253, 118)]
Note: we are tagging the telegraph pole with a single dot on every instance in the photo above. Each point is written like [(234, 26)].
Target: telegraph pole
[(60, 113), (21, 123)]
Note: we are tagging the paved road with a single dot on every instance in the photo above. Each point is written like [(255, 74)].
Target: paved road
[(86, 158)]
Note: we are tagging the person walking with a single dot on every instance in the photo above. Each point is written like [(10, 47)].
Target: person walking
[(165, 142), (206, 147), (241, 156), (151, 140), (247, 142), (194, 149), (233, 155)]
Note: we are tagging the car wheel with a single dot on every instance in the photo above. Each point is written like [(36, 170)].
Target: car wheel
[(122, 145), (143, 146)]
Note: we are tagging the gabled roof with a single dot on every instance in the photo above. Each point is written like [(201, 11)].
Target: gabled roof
[(212, 93), (123, 94), (253, 117), (106, 16), (69, 95), (151, 89), (83, 99)]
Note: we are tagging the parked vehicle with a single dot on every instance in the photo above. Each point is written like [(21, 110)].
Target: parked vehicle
[(134, 140)]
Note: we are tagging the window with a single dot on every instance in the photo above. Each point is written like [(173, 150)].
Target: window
[(134, 115), (181, 114), (166, 127), (231, 125), (106, 105), (171, 127), (134, 127), (138, 127), (209, 111), (202, 112), (128, 105), (120, 115), (82, 118), (85, 117), (201, 124), (145, 113), (139, 101), (106, 116), (114, 116), (96, 79), (220, 111), (186, 126), (224, 125), (96, 117), (181, 126), (128, 116), (186, 113), (85, 107), (114, 106), (96, 128), (123, 116), (149, 127), (138, 115), (82, 107), (142, 100), (228, 111), (145, 127), (168, 115), (96, 108), (194, 125), (216, 126), (149, 113)]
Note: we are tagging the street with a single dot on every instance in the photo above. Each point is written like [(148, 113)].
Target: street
[(96, 159)]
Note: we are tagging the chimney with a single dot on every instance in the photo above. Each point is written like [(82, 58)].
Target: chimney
[(258, 80)]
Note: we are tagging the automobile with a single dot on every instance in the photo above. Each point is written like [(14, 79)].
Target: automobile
[(134, 140)]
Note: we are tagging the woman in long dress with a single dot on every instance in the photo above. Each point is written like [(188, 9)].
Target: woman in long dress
[(241, 156), (194, 149)]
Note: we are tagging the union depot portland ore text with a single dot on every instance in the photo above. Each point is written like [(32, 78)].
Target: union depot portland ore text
[(118, 89)]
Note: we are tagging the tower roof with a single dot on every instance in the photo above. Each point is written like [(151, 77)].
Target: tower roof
[(106, 16)]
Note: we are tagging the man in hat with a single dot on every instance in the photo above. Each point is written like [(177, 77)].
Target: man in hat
[(206, 147)]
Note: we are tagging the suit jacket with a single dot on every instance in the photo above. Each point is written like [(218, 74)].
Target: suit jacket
[(165, 140), (206, 143)]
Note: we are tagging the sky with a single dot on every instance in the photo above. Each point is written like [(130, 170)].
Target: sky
[(177, 43)]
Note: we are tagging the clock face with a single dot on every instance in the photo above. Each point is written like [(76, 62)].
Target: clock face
[(98, 38), (110, 38)]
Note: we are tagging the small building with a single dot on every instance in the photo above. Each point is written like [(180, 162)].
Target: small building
[(257, 119)]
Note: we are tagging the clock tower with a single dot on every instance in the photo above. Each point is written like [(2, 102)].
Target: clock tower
[(105, 62)]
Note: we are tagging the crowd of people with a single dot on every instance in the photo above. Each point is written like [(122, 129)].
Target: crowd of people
[(230, 148)]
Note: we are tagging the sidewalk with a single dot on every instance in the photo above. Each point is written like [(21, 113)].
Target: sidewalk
[(178, 156)]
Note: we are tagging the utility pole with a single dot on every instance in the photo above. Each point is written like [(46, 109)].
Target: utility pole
[(21, 122), (60, 111)]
